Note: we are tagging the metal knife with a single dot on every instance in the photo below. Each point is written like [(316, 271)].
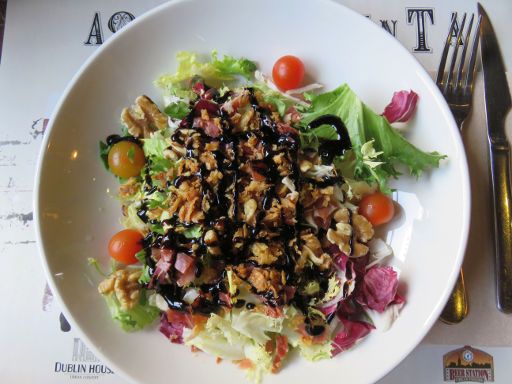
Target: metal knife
[(497, 105)]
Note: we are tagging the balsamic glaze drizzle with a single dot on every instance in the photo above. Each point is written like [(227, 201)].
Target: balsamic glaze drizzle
[(331, 148), (224, 211)]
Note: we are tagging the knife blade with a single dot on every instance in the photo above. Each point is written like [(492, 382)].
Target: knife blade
[(497, 105)]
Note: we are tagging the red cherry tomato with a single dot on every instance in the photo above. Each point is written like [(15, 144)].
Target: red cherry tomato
[(124, 245), (377, 208), (126, 159), (288, 72)]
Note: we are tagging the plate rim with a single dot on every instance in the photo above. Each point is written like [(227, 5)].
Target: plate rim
[(422, 74)]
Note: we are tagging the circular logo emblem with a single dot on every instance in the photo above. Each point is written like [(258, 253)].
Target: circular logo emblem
[(118, 20), (467, 355)]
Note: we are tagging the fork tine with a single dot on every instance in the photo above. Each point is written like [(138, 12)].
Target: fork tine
[(464, 50), (472, 58), (442, 63), (454, 55)]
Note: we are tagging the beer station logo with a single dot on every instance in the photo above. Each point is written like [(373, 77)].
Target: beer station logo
[(83, 365), (468, 364)]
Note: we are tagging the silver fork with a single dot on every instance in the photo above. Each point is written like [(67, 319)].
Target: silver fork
[(457, 88)]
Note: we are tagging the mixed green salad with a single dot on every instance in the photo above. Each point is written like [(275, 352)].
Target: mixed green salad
[(249, 204)]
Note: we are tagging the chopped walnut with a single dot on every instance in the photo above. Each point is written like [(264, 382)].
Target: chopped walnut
[(305, 165), (256, 187), (252, 148), (241, 233), (283, 164), (143, 117), (313, 250), (124, 284), (212, 146), (188, 166), (342, 215), (187, 202), (239, 237), (362, 228), (281, 190), (154, 213), (300, 263), (235, 277), (267, 234), (204, 114), (311, 242), (246, 118), (264, 280), (254, 190), (328, 191), (317, 197), (235, 119), (210, 237), (214, 250), (208, 159), (129, 188), (214, 177), (263, 254), (250, 207), (243, 270), (289, 207), (341, 236), (275, 115), (359, 250), (273, 215)]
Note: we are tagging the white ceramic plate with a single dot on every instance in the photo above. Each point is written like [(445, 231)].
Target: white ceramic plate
[(76, 214)]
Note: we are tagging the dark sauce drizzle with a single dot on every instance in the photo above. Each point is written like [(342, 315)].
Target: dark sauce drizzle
[(331, 148), (114, 139), (224, 206)]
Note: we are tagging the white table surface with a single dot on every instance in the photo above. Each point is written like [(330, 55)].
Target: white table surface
[(43, 46)]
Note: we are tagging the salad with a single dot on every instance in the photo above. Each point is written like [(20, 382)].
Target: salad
[(249, 204)]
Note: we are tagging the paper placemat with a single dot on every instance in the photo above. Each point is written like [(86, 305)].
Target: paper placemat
[(41, 46)]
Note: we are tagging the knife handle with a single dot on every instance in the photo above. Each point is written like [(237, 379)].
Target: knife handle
[(499, 154)]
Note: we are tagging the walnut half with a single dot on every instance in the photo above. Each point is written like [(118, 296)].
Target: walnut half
[(143, 117), (124, 284)]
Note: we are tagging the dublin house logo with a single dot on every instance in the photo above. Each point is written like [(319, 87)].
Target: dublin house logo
[(468, 364)]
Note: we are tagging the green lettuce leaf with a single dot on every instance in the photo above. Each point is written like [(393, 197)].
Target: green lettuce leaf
[(363, 126), (157, 228), (311, 138), (215, 72), (94, 263), (194, 232), (154, 148), (156, 200), (270, 96), (132, 220), (177, 110), (141, 255), (230, 66), (104, 150), (133, 319), (155, 145), (145, 277)]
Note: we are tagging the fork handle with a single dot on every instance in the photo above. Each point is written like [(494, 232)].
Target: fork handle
[(499, 155), (456, 309)]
